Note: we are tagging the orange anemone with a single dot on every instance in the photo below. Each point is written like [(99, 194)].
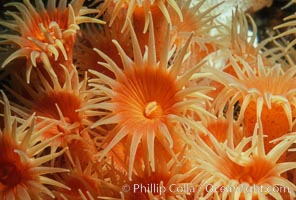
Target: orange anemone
[(145, 100), (265, 93), (240, 173), (142, 6), (46, 35), (63, 108), (23, 174), (100, 37)]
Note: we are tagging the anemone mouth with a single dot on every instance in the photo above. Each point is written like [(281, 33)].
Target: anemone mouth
[(148, 93), (152, 110)]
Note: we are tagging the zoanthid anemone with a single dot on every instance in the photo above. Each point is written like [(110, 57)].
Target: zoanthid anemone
[(168, 181), (142, 8), (114, 180), (118, 157), (159, 24), (63, 105), (145, 100), (196, 18), (236, 42), (241, 41), (199, 21), (82, 147), (225, 130), (100, 37), (242, 173), (45, 36), (23, 174), (140, 23), (85, 182), (265, 93)]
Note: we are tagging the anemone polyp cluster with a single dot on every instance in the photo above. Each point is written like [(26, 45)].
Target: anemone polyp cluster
[(145, 99)]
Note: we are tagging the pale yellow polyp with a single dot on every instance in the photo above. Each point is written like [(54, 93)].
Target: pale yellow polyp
[(153, 110)]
